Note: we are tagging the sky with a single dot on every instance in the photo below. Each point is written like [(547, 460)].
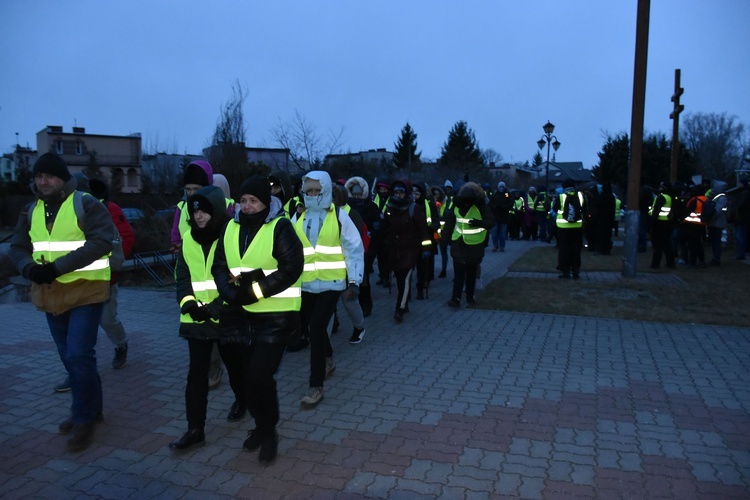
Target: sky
[(505, 67)]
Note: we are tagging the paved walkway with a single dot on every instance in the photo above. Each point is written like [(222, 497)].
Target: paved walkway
[(449, 404)]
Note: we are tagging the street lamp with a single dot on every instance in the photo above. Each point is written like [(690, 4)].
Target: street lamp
[(548, 129)]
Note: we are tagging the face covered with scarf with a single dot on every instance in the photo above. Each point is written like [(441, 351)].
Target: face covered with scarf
[(317, 190)]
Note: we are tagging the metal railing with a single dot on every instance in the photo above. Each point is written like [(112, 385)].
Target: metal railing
[(151, 261)]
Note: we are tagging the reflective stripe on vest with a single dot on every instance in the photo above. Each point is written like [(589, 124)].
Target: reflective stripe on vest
[(65, 237), (428, 212), (618, 204), (695, 215), (470, 234), (561, 222), (664, 211), (259, 255), (326, 261), (201, 279)]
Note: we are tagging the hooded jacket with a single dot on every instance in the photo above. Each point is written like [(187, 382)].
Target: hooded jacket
[(365, 207), (175, 236), (470, 194), (57, 297), (316, 210), (405, 231)]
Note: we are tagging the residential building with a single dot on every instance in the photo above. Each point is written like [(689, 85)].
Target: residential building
[(115, 159), (377, 156), (22, 158)]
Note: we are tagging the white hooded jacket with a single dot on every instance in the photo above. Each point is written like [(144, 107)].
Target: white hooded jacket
[(316, 210)]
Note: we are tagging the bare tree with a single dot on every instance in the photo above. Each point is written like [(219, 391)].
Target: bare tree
[(716, 143), (227, 153), (491, 156), (307, 149)]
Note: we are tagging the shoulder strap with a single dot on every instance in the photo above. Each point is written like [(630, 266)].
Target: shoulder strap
[(77, 205)]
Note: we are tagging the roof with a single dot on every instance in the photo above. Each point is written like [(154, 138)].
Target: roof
[(561, 171)]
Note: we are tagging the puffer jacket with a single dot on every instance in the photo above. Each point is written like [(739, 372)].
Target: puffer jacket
[(240, 326), (470, 194), (365, 207), (57, 297)]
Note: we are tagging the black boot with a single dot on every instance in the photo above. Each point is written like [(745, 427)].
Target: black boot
[(236, 412), (81, 436), (269, 447), (191, 437)]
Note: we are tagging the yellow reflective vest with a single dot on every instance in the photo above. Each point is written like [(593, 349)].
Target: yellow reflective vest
[(184, 224), (65, 237), (561, 222), (472, 235), (259, 255), (325, 261), (664, 211), (201, 279)]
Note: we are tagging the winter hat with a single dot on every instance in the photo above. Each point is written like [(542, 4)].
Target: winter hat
[(200, 202), (194, 174), (52, 164), (259, 187), (83, 182), (98, 189), (400, 186), (501, 186), (532, 188), (448, 184)]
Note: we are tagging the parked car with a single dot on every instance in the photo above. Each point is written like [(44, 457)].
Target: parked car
[(133, 214), (166, 213)]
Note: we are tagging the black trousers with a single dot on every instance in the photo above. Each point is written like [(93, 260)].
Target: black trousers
[(260, 362), (569, 245), (464, 273), (317, 311), (403, 285), (196, 390), (661, 240)]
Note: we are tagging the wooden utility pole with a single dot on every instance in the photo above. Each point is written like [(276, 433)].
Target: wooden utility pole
[(675, 116), (632, 214)]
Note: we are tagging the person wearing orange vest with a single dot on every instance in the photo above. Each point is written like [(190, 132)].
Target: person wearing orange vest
[(67, 260), (693, 229), (257, 268)]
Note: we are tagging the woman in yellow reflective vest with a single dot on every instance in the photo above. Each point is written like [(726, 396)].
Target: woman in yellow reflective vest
[(257, 268), (334, 263), (195, 290), (467, 225), (571, 208)]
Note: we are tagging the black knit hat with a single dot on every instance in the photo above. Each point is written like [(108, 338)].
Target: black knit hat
[(258, 186), (52, 164), (194, 174)]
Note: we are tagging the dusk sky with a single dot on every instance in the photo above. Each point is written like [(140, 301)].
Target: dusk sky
[(164, 68)]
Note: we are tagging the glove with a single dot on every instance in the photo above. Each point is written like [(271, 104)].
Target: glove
[(475, 222), (245, 295), (43, 273), (426, 254), (199, 313), (250, 276), (351, 292)]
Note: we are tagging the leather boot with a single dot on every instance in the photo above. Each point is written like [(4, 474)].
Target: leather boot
[(191, 437)]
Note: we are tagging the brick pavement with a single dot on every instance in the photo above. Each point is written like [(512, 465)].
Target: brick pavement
[(449, 404)]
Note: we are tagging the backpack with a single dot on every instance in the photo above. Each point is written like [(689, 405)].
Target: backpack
[(117, 256), (709, 211)]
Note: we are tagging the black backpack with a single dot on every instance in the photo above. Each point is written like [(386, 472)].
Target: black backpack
[(708, 212)]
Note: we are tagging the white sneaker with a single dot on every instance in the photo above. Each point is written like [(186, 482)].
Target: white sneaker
[(313, 397), (357, 336)]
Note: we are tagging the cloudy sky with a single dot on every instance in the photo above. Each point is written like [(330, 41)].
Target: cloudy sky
[(164, 68)]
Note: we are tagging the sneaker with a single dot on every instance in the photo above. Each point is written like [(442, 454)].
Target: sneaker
[(454, 303), (330, 367), (399, 316), (121, 356), (357, 336), (63, 386), (313, 397)]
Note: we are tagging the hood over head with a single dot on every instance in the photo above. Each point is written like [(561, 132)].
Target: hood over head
[(325, 198), (199, 172), (83, 182), (501, 186), (471, 193), (221, 182), (718, 187), (357, 182)]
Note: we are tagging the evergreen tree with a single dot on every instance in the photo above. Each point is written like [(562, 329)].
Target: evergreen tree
[(406, 157), (461, 152)]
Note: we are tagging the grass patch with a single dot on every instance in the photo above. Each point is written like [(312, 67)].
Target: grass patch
[(712, 295)]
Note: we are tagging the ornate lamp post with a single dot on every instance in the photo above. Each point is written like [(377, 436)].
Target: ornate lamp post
[(547, 139)]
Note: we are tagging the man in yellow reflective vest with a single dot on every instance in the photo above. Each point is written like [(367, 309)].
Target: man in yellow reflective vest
[(334, 263), (67, 261), (570, 207), (661, 228)]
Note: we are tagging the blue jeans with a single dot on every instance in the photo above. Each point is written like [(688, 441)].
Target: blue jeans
[(499, 232), (74, 333)]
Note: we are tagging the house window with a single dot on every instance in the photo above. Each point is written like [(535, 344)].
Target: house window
[(79, 148), (59, 146)]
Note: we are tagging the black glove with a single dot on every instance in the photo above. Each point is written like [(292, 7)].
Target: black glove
[(249, 277), (475, 222), (245, 295), (43, 273), (351, 292), (199, 313)]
